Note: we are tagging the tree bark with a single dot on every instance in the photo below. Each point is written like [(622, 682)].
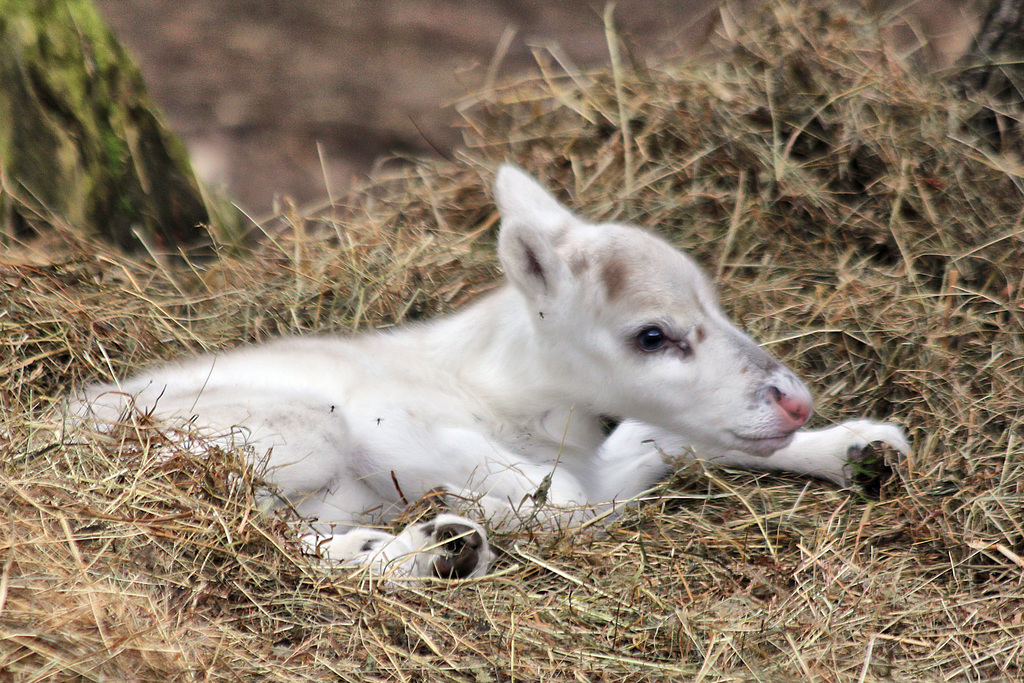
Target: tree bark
[(80, 139)]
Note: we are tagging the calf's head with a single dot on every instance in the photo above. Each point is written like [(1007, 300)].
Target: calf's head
[(631, 327)]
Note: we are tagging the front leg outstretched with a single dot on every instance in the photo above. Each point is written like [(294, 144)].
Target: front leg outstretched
[(830, 454)]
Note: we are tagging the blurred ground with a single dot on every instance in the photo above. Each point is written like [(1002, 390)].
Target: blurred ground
[(255, 86)]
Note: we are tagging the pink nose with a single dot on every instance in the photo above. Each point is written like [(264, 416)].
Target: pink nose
[(794, 409)]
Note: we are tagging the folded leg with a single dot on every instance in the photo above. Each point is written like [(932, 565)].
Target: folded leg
[(447, 547)]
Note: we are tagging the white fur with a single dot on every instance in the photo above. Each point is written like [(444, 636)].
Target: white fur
[(410, 555), (507, 397)]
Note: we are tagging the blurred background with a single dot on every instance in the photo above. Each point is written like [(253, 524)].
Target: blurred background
[(298, 97)]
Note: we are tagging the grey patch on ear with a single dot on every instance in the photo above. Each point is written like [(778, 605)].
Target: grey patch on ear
[(534, 266), (428, 529), (614, 275)]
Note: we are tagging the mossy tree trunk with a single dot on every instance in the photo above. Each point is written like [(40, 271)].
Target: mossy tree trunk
[(80, 139)]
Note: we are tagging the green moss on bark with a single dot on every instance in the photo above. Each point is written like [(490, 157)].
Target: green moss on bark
[(79, 136)]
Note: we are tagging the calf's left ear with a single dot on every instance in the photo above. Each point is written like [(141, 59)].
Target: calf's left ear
[(531, 221)]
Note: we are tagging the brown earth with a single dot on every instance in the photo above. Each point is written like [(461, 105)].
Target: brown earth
[(296, 97)]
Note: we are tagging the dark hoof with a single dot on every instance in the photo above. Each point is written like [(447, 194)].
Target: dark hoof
[(460, 548), (871, 472)]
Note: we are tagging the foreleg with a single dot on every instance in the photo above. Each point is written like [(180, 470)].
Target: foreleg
[(508, 489), (829, 453)]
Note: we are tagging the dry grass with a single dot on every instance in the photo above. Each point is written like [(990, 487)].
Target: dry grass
[(857, 227)]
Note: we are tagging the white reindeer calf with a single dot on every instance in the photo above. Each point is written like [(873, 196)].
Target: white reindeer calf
[(506, 397)]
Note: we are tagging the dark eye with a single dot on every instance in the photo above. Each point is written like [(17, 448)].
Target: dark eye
[(651, 338)]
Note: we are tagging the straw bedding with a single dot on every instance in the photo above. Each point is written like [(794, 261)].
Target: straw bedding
[(858, 227)]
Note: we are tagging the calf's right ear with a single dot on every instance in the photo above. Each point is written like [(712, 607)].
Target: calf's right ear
[(532, 221)]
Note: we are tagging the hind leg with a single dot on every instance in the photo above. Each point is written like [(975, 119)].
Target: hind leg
[(447, 547), (309, 457), (301, 445)]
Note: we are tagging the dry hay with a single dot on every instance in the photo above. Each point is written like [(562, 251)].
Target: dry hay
[(857, 227)]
